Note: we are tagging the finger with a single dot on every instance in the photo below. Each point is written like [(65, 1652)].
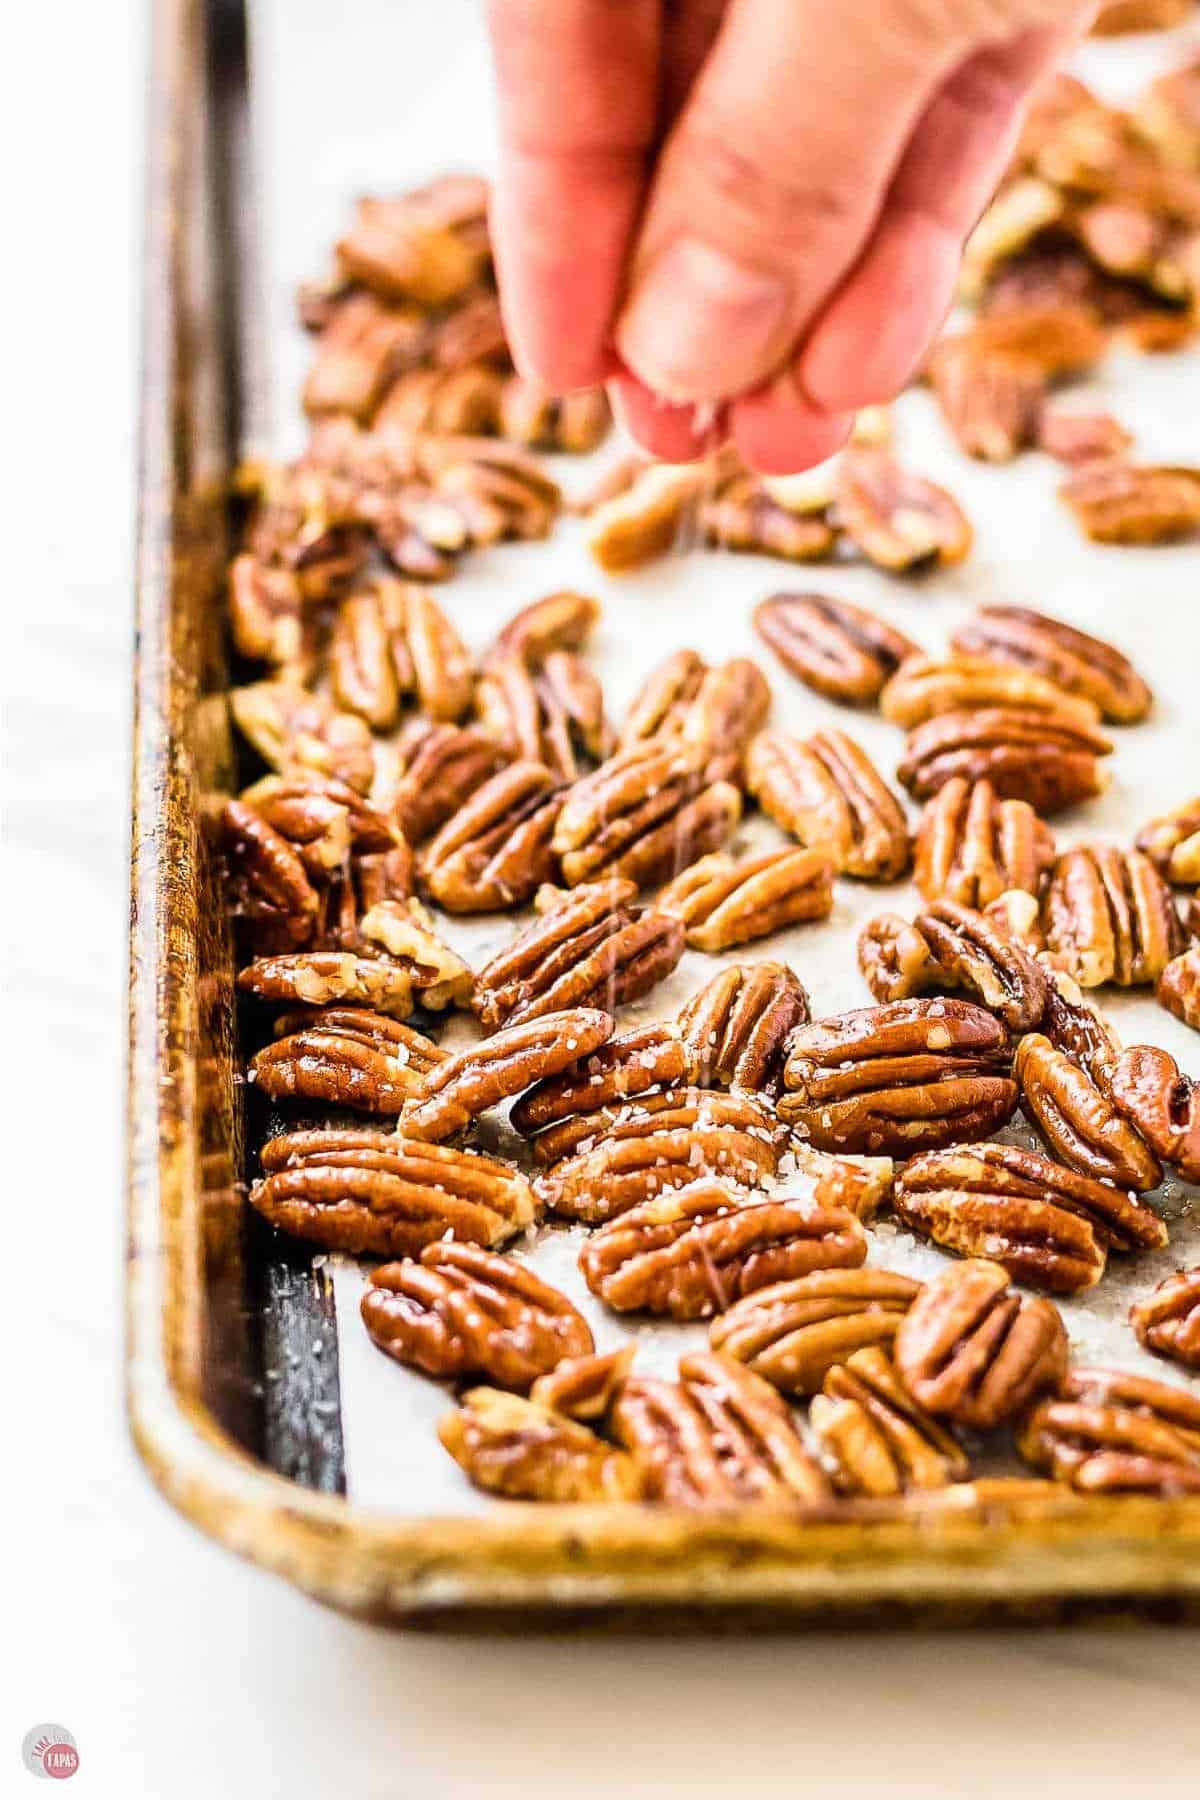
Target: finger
[(877, 327), (758, 208), (689, 31), (577, 83), (779, 432), (675, 434)]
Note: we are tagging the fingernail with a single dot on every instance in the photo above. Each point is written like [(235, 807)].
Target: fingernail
[(701, 326)]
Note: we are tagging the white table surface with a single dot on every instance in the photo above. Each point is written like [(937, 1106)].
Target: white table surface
[(180, 1671)]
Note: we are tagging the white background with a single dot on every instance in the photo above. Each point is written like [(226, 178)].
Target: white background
[(181, 1672)]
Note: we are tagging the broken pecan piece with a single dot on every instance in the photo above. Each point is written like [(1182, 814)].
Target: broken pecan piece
[(896, 519), (659, 1141), (747, 514), (926, 688), (914, 1075), (1168, 1321), (440, 767), (525, 1450), (495, 851), (792, 1334), (410, 246), (319, 977), (584, 1387), (717, 1437), (698, 1249), (364, 346), (649, 1060), (640, 520), (825, 791), (860, 1184), (736, 1029), (407, 933), (534, 415), (722, 902), (325, 820), (1079, 1031), (971, 1350), (644, 815), (482, 1075), (1072, 660), (1109, 1432), (560, 621), (1129, 503), (1172, 842), (269, 886), (1078, 1121), (460, 1310), (460, 401), (895, 960), (972, 847), (379, 1193), (842, 651), (551, 714), (1048, 759), (294, 730), (993, 968), (346, 1056), (1149, 1087), (1178, 987), (873, 1437), (1110, 916)]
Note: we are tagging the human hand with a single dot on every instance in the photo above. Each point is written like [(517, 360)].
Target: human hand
[(748, 215)]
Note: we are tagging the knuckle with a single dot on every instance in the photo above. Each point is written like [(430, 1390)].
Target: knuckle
[(745, 183)]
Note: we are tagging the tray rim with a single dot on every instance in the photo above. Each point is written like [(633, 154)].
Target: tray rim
[(1042, 1557)]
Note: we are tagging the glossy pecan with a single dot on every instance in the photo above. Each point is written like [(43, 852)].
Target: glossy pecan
[(897, 519), (1172, 842), (1168, 1320), (640, 521), (459, 1310), (268, 884), (1178, 987), (495, 851), (619, 1159), (747, 514), (664, 698), (651, 1059), (972, 847), (438, 768), (971, 1350), (267, 613), (322, 977), (1072, 660), (326, 821), (407, 933), (563, 620), (992, 968), (1130, 503), (824, 790), (534, 415), (391, 640), (698, 1249), (1049, 1226), (1110, 917), (792, 1334), (711, 706), (736, 1029), (1078, 1121), (722, 902), (294, 730), (1045, 758), (346, 1056), (860, 1184), (590, 947), (1078, 1030), (926, 689), (914, 1075), (644, 815), (524, 1450), (482, 1075), (1148, 1086), (717, 1437), (584, 1387), (379, 1193), (895, 960), (1109, 1432), (551, 714), (843, 651), (990, 399), (872, 1436), (1021, 210)]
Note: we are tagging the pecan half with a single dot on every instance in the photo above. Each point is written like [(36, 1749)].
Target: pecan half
[(972, 1351), (1172, 842), (717, 1437), (326, 821), (792, 1334), (644, 815), (993, 968), (379, 1193), (736, 1029), (873, 1437), (319, 977), (551, 714), (895, 960), (1178, 987), (482, 1075), (268, 882), (361, 350), (534, 415), (722, 902), (991, 400), (1073, 660), (661, 703), (460, 1310), (914, 1075), (1062, 339), (1048, 759), (524, 1450), (824, 790), (842, 651), (560, 621), (590, 947), (656, 1142), (641, 520), (1110, 916), (1078, 1121), (698, 1249), (1079, 1031), (1049, 1226), (1148, 1086), (267, 615), (1168, 1321), (439, 768), (584, 1387), (292, 729), (346, 1056), (407, 245), (717, 707), (926, 688), (1128, 503), (648, 1060), (896, 519), (495, 851), (747, 513), (1108, 1432), (390, 640), (972, 847)]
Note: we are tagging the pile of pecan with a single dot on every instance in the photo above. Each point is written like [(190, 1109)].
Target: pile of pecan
[(728, 1164)]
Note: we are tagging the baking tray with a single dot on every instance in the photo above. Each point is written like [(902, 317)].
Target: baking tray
[(255, 1399)]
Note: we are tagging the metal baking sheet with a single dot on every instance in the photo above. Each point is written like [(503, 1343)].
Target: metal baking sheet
[(390, 94)]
